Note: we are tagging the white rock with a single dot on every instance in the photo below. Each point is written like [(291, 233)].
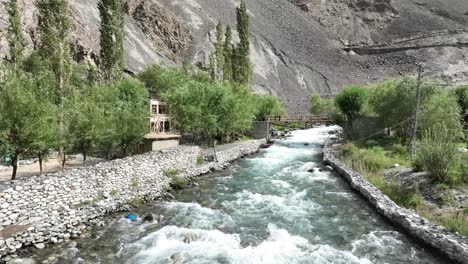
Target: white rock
[(40, 245)]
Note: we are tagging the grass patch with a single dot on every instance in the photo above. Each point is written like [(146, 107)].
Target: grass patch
[(371, 158), (200, 160), (178, 182), (171, 172), (453, 221), (135, 182), (136, 202), (114, 192)]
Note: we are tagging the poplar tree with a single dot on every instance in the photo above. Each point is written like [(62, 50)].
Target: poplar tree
[(54, 29), (228, 51), (15, 35), (112, 39), (219, 54), (243, 67)]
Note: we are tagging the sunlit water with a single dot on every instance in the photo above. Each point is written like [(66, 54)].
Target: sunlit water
[(264, 209)]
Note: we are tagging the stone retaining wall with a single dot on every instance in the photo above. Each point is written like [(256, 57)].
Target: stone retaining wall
[(449, 244), (60, 206)]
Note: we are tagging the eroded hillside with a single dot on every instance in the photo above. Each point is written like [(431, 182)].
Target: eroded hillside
[(299, 47)]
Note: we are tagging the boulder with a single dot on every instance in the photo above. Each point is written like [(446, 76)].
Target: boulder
[(149, 218)]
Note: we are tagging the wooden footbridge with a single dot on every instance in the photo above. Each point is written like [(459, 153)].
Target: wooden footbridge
[(306, 120)]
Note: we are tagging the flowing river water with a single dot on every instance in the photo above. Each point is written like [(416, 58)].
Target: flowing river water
[(264, 209)]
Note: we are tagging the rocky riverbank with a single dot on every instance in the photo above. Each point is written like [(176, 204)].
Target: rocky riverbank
[(449, 244), (60, 206)]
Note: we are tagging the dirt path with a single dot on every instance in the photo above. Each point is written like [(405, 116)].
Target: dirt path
[(52, 165)]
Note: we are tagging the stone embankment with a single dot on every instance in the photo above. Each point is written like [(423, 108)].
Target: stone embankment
[(60, 206), (449, 244)]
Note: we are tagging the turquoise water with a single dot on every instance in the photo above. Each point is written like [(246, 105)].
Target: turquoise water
[(264, 209)]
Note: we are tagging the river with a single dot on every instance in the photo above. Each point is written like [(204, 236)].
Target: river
[(264, 209)]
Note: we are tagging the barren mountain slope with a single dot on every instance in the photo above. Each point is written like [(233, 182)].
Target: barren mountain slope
[(299, 47)]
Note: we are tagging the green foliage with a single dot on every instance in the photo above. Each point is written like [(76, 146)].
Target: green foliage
[(177, 181), (131, 112), (135, 182), (15, 35), (200, 106), (436, 152), (114, 192), (200, 160), (351, 102), (171, 172), (320, 106), (372, 159), (268, 105), (242, 67), (159, 80), (442, 107), (25, 116), (87, 119), (461, 92), (394, 102), (54, 30), (228, 52), (112, 38), (136, 202)]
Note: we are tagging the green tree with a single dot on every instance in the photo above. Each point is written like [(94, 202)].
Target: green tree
[(108, 141), (45, 90), (132, 113), (441, 108), (15, 34), (268, 105), (228, 51), (23, 115), (87, 118), (394, 103), (242, 65), (54, 29), (320, 106), (351, 102), (112, 39), (219, 52)]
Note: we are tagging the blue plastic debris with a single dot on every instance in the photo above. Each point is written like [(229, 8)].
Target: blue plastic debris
[(132, 217)]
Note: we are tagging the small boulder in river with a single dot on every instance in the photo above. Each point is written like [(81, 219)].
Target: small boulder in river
[(306, 144), (149, 218), (311, 170)]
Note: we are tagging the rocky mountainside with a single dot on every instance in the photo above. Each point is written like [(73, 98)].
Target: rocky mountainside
[(299, 47)]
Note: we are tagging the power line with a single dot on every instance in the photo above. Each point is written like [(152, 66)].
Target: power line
[(380, 132)]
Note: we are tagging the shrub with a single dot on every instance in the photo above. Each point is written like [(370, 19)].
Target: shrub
[(321, 106), (135, 182), (200, 160), (351, 102), (178, 182), (171, 172), (114, 192), (436, 152)]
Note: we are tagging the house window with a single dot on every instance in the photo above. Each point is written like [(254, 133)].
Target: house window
[(154, 109), (163, 110)]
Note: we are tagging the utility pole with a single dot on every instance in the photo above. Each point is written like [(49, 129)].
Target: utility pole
[(416, 115)]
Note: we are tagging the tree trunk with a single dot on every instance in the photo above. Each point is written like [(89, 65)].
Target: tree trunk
[(14, 163), (40, 164), (84, 159), (124, 150), (64, 160)]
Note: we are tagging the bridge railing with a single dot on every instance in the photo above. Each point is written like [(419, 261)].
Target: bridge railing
[(300, 118)]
